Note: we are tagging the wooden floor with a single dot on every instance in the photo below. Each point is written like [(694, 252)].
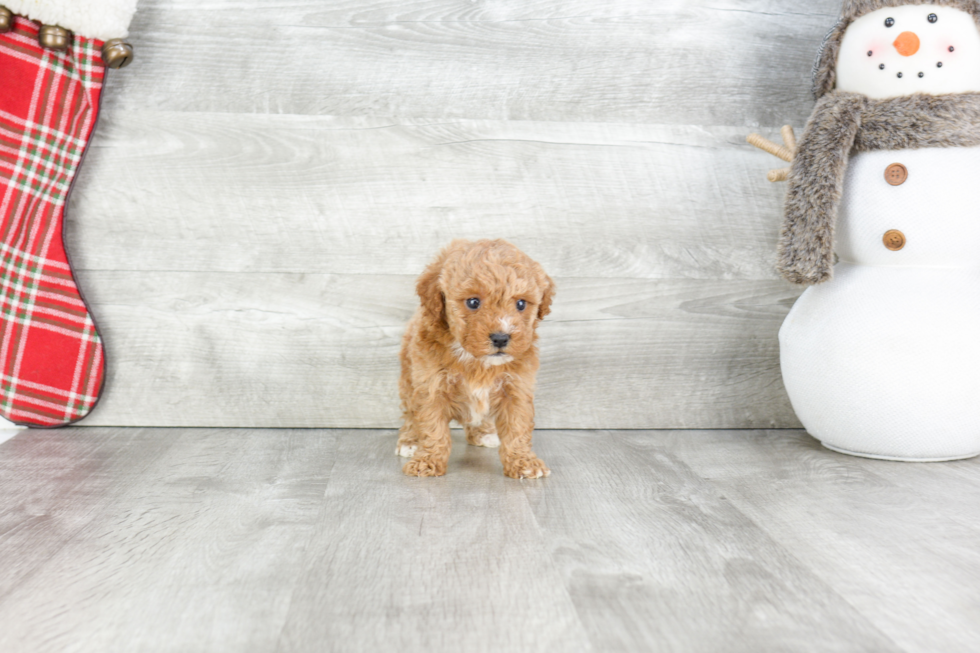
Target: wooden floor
[(292, 540)]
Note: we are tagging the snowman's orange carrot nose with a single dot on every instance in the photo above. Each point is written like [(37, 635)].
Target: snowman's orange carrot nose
[(907, 44)]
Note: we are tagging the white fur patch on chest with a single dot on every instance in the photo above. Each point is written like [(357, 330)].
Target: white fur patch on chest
[(477, 403)]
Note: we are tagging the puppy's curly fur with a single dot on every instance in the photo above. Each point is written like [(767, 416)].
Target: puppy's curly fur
[(476, 296)]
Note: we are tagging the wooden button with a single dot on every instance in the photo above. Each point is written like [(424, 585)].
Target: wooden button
[(896, 174), (894, 240)]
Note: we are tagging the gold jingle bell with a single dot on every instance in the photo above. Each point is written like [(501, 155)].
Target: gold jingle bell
[(53, 37), (116, 53), (6, 20)]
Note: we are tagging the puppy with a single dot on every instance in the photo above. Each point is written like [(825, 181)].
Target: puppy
[(469, 355)]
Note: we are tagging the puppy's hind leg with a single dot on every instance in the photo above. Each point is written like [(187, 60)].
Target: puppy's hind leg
[(483, 435)]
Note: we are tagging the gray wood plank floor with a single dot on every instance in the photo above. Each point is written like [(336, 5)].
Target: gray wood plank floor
[(294, 541)]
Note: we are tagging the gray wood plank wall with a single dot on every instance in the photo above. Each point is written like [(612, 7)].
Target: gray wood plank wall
[(268, 179)]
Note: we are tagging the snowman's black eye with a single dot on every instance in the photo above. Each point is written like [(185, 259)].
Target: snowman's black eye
[(870, 53), (933, 18), (951, 48), (889, 22), (939, 65)]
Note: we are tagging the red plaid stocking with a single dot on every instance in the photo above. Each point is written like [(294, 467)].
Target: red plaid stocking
[(51, 358)]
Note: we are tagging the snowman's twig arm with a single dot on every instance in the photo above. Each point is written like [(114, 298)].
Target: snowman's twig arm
[(785, 152), (789, 137), (767, 145), (778, 175)]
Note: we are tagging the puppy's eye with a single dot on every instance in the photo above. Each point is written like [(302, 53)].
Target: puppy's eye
[(933, 18), (473, 303), (889, 22), (521, 304)]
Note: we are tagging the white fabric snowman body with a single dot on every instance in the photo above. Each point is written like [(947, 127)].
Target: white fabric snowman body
[(883, 360)]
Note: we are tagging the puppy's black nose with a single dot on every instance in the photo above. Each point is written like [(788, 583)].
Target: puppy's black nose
[(499, 340)]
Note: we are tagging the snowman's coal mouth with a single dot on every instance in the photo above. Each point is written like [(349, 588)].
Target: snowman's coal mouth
[(922, 74)]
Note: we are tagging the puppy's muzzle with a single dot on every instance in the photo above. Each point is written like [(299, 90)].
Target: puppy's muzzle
[(499, 340)]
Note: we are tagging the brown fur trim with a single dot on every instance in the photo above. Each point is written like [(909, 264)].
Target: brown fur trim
[(806, 245), (824, 71), (845, 121), (825, 68), (915, 121)]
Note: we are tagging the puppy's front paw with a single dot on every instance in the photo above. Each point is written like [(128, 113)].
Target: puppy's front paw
[(424, 467), (526, 468), (406, 450)]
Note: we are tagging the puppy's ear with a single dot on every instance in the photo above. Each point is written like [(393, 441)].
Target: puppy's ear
[(547, 293), (430, 291)]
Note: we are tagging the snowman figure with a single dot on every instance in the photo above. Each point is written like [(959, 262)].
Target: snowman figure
[(881, 354)]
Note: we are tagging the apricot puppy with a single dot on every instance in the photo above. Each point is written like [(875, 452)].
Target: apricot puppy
[(469, 355)]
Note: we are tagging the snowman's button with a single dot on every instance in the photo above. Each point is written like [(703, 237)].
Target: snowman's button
[(896, 174), (894, 240)]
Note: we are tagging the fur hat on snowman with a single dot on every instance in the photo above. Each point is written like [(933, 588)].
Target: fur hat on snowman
[(892, 75)]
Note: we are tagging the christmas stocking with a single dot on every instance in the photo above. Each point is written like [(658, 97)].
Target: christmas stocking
[(53, 58)]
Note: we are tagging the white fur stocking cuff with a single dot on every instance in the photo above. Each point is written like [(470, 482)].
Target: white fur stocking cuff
[(95, 19)]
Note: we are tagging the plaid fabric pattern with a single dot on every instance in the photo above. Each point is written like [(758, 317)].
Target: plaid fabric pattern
[(51, 357)]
